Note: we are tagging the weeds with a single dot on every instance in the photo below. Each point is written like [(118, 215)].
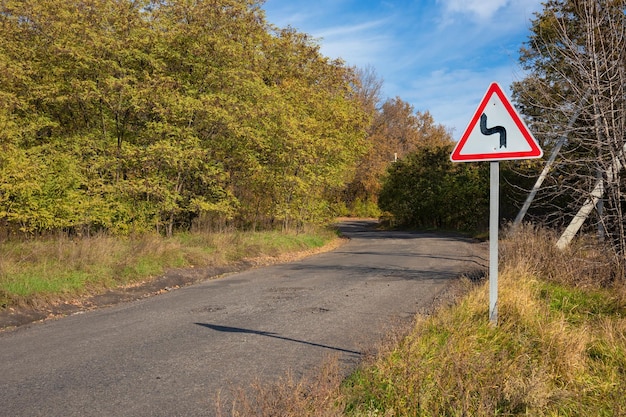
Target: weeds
[(316, 395), (538, 361)]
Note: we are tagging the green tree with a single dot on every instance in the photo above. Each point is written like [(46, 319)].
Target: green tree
[(163, 111), (311, 136), (426, 190)]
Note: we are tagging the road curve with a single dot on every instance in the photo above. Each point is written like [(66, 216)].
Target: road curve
[(170, 355)]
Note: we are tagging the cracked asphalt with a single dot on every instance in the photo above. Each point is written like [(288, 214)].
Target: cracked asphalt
[(171, 354)]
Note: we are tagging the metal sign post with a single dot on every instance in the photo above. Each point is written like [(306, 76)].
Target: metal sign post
[(495, 133), (494, 207)]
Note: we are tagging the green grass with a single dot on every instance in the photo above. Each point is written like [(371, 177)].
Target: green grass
[(28, 284), (35, 272), (556, 351), (581, 305)]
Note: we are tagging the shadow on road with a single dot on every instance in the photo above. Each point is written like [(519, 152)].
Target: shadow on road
[(369, 229), (227, 329)]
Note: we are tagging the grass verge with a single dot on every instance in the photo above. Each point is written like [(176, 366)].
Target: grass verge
[(37, 272), (555, 352)]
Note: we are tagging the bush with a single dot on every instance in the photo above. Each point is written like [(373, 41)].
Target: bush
[(427, 190)]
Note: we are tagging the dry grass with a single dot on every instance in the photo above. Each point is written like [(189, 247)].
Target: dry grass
[(559, 349), (315, 395), (534, 363), (585, 263)]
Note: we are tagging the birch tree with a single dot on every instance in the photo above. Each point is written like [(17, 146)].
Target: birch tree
[(576, 59)]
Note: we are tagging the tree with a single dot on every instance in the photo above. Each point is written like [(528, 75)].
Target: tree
[(396, 131), (161, 112), (368, 89), (427, 190), (576, 57)]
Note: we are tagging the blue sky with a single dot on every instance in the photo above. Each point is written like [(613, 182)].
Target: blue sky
[(438, 55)]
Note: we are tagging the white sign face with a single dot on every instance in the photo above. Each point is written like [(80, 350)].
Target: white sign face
[(496, 132)]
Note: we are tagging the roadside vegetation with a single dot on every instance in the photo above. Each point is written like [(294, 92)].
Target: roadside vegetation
[(559, 349), (34, 273), (137, 116)]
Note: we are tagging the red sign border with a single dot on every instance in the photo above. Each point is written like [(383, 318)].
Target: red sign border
[(535, 151)]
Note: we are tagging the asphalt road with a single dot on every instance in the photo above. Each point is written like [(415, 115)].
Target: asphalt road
[(171, 354)]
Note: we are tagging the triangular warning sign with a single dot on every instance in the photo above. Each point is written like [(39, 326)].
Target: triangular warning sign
[(496, 132)]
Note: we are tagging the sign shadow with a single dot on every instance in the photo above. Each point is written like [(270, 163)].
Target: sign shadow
[(227, 329)]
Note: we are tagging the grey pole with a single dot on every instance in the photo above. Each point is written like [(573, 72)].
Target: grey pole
[(494, 203)]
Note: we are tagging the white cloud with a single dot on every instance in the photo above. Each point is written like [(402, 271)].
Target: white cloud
[(483, 9), (355, 29), (492, 17), (356, 52), (359, 44)]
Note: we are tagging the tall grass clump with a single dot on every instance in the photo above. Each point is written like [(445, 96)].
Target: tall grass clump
[(559, 348), (586, 262), (312, 395), (41, 271)]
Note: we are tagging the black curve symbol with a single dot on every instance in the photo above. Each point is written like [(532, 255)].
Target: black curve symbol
[(492, 130)]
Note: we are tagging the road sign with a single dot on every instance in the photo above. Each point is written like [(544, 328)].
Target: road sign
[(496, 132)]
